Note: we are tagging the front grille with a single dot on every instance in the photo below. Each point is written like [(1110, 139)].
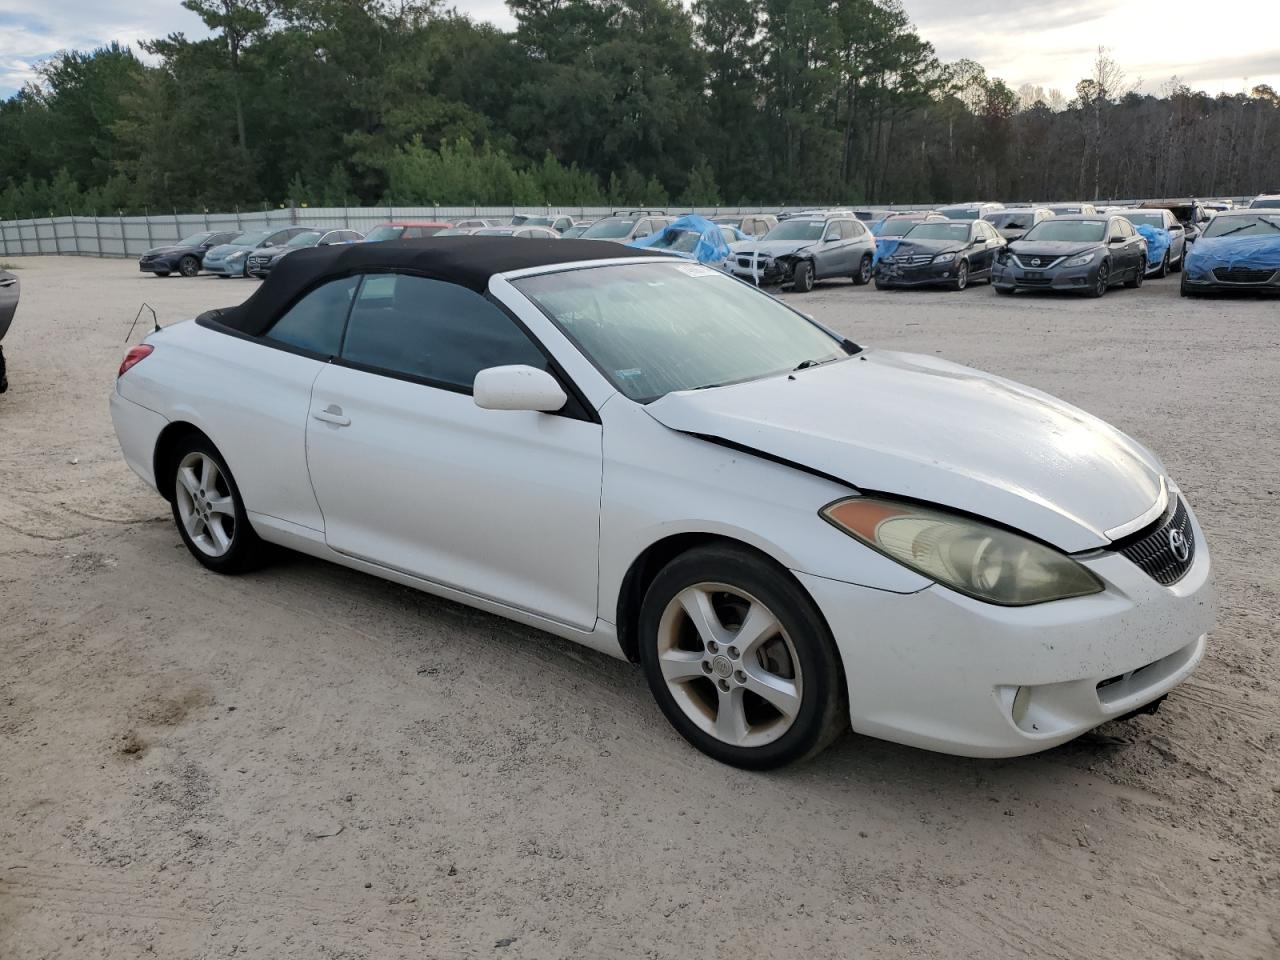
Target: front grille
[(1167, 552), (1242, 274), (912, 260), (1046, 263)]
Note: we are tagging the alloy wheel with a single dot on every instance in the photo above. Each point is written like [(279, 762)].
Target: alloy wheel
[(729, 665), (962, 275), (1104, 276), (206, 506)]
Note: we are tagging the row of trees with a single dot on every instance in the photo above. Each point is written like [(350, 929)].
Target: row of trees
[(331, 102)]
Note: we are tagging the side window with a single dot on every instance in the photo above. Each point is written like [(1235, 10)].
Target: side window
[(1115, 231), (432, 330), (854, 230), (834, 231), (315, 322)]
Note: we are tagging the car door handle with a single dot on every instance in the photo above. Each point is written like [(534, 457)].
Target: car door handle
[(332, 414)]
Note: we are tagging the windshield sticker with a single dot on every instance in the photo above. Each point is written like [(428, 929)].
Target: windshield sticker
[(1092, 223), (696, 270)]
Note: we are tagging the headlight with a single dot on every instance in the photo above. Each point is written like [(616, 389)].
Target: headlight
[(947, 257), (238, 255), (1079, 261), (972, 557)]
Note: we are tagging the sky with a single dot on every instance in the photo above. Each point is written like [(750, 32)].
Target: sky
[(1048, 43)]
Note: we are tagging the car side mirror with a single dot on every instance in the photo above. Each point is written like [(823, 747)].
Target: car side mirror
[(979, 240), (518, 387), (1115, 240)]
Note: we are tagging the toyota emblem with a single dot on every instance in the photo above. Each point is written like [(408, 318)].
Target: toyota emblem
[(1179, 545), (1035, 262)]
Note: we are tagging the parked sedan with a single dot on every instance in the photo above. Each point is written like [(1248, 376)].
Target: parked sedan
[(1082, 254), (941, 254), (1266, 201), (697, 458), (624, 229), (231, 259), (405, 230), (184, 257), (577, 230), (1239, 252), (1171, 261), (10, 290), (1189, 212), (261, 262), (800, 250)]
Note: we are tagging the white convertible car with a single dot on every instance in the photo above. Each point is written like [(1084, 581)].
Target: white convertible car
[(789, 532)]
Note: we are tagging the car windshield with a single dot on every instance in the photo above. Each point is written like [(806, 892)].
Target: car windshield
[(196, 239), (797, 230), (655, 328), (1012, 219), (1240, 225), (1269, 203), (681, 241), (384, 232), (306, 239), (1074, 231), (574, 232), (253, 238), (610, 228), (937, 230), (898, 227), (1145, 219)]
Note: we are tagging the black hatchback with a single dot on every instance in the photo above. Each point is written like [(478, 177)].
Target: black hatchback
[(1080, 254)]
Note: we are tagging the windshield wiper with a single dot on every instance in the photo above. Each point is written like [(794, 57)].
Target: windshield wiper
[(806, 364)]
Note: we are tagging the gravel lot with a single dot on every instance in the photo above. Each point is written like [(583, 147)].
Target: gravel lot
[(312, 763)]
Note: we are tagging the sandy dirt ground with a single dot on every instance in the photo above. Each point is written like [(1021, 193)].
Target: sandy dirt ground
[(311, 763)]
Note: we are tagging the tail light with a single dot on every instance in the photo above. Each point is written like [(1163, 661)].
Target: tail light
[(133, 357)]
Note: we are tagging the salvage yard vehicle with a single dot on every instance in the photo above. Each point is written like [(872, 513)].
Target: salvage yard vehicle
[(184, 257), (1016, 221), (1189, 212), (1073, 209), (695, 238), (405, 230), (800, 250), (1082, 254), (1166, 221), (448, 414), (1239, 252), (1267, 201), (626, 227), (261, 262), (231, 259), (946, 253), (10, 291), (969, 211), (752, 224)]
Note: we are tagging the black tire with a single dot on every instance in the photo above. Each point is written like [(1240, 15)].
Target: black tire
[(961, 281), (188, 266), (1004, 291), (822, 714), (246, 551), (802, 277), (1164, 267), (1177, 267), (863, 276), (1139, 273), (1185, 291), (883, 285), (1103, 280), (223, 276), (162, 273)]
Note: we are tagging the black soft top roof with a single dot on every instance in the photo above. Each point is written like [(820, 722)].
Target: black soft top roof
[(465, 260)]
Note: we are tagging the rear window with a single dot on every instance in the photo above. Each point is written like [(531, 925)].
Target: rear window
[(1012, 220), (937, 230)]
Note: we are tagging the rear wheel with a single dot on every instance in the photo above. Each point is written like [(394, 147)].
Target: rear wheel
[(802, 277), (863, 275), (1139, 273), (740, 660), (209, 511), (1164, 267), (188, 266)]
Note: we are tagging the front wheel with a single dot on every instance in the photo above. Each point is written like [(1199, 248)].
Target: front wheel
[(1103, 280), (740, 660), (962, 276), (863, 275), (188, 266), (1003, 291), (209, 511), (802, 277)]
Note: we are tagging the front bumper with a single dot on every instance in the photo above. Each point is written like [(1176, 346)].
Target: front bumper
[(158, 265), (1207, 280), (892, 274), (939, 670), (1010, 275), (257, 268), (226, 268), (763, 271)]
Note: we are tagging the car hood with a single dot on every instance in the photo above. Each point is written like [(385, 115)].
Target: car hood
[(1052, 249), (772, 248), (164, 251), (934, 247), (226, 249), (923, 428)]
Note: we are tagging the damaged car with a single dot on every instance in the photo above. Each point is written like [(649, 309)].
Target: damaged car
[(803, 249), (1239, 252), (949, 253), (1077, 254), (789, 532)]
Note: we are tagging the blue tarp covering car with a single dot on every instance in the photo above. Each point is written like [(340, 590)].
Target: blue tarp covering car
[(1239, 250), (884, 248), (692, 236), (1158, 241)]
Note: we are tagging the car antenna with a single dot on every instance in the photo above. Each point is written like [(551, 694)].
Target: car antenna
[(145, 306)]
